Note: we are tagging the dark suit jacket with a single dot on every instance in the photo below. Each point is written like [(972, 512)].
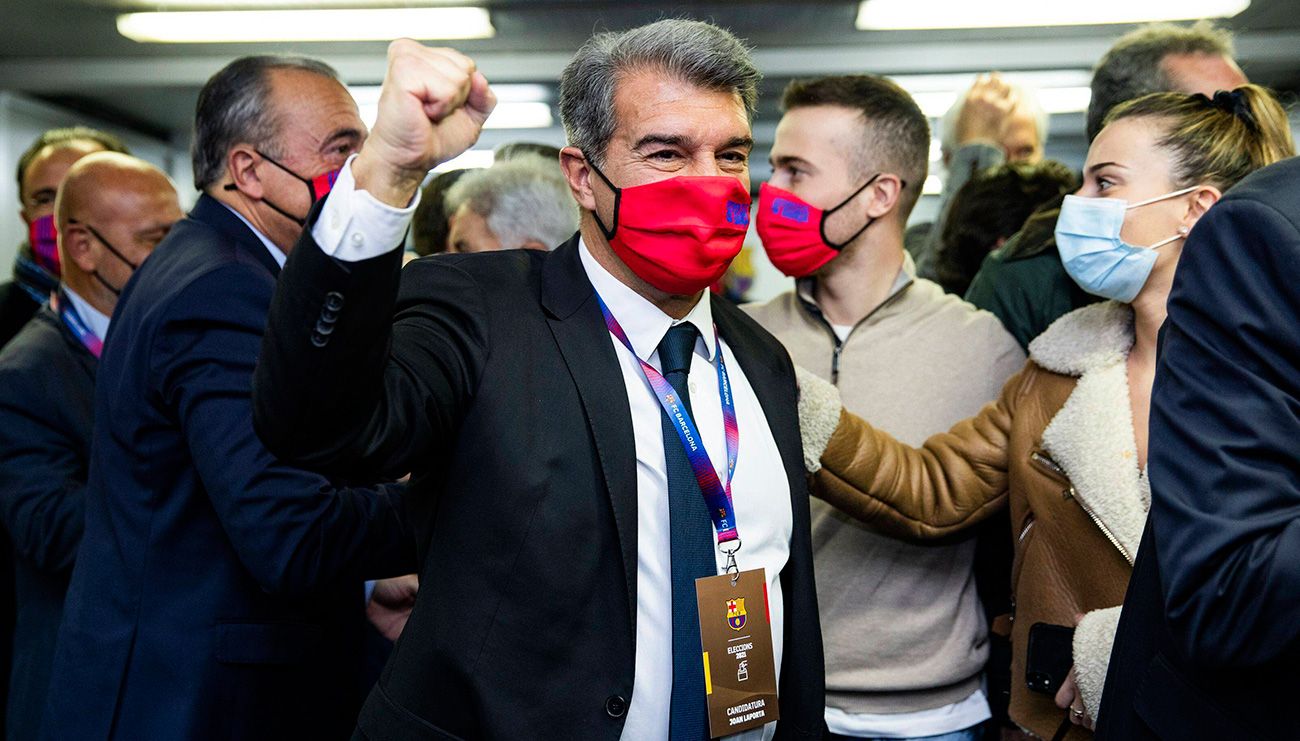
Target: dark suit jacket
[(1209, 640), (16, 309), (47, 388), (218, 592), (494, 380)]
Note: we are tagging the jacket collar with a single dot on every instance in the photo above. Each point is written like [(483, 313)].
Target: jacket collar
[(803, 288), (216, 215), (1091, 436), (1090, 338)]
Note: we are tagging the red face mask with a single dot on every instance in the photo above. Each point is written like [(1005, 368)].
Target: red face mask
[(43, 237), (794, 231), (680, 234)]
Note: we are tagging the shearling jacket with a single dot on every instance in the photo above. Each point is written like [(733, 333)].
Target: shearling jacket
[(1057, 447)]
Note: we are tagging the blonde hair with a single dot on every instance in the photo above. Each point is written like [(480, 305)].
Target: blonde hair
[(1215, 141)]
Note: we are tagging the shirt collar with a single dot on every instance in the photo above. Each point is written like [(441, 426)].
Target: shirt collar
[(94, 318), (277, 254), (906, 274), (644, 323)]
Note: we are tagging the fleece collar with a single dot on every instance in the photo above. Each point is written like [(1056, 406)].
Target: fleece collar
[(1091, 437)]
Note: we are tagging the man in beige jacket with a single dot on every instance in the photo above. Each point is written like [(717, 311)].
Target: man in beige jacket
[(906, 638)]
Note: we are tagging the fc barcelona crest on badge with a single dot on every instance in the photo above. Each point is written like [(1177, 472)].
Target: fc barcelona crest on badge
[(736, 613)]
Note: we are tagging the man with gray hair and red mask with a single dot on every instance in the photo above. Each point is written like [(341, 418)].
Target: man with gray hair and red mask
[(607, 486)]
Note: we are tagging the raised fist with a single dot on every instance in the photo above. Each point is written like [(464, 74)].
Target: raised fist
[(431, 108), (989, 105)]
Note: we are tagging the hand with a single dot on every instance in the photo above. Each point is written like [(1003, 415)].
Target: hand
[(988, 107), (431, 108), (390, 604), (1069, 698)]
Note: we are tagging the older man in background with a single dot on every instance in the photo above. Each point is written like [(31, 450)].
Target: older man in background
[(218, 593), (112, 210), (523, 203), (40, 170), (994, 122)]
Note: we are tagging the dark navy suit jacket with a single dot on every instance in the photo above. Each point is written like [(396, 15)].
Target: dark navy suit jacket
[(1209, 641), (218, 592), (47, 391)]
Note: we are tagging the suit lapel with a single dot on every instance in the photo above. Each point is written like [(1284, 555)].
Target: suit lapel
[(770, 381), (580, 333), (212, 212)]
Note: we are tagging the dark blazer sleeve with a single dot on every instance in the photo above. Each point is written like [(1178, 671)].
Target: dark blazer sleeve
[(42, 477), (291, 529), (1225, 426), (357, 378)]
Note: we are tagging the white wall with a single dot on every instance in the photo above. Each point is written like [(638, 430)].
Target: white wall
[(23, 119)]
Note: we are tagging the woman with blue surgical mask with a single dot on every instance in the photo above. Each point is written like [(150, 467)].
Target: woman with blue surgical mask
[(1064, 448)]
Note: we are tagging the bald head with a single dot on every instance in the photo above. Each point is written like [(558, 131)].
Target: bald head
[(112, 210)]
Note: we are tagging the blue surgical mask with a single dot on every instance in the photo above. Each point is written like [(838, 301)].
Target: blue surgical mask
[(1087, 236)]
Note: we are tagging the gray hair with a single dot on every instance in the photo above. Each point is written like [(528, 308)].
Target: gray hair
[(696, 52), (1028, 102), (1134, 67), (233, 107), (524, 199)]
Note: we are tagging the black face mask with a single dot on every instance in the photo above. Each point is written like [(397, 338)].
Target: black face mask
[(317, 188), (117, 291)]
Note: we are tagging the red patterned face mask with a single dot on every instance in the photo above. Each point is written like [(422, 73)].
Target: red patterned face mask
[(794, 231), (679, 234), (43, 237)]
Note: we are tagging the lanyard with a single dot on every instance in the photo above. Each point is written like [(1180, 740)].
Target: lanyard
[(68, 313), (716, 495)]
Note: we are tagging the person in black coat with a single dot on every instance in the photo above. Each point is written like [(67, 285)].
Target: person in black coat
[(1209, 637), (41, 168), (218, 593), (47, 385), (539, 495)]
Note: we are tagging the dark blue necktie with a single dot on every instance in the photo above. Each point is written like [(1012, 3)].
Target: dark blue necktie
[(691, 549)]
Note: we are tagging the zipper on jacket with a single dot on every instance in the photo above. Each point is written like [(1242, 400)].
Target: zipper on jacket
[(839, 344), (835, 359), (1070, 493)]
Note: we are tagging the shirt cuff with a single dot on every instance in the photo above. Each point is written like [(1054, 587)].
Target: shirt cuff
[(353, 225)]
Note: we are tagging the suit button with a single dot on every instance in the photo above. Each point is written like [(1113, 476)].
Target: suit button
[(334, 301), (324, 328), (616, 706), (319, 340), (329, 316)]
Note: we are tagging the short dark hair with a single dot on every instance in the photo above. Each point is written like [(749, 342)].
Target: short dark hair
[(895, 134), (429, 224), (1134, 66), (993, 205), (233, 107), (60, 137)]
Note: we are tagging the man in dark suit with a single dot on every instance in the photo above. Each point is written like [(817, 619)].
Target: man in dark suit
[(560, 524), (40, 170), (113, 209), (218, 592), (1209, 641)]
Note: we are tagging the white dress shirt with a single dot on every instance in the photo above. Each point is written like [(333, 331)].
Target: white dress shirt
[(94, 318), (354, 226), (760, 489)]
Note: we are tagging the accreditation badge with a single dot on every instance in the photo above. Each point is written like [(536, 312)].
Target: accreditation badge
[(739, 663)]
